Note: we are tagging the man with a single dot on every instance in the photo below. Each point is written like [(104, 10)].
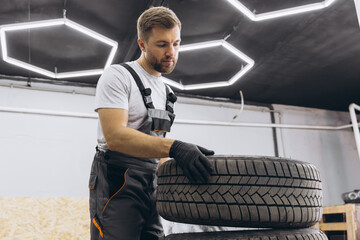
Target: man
[(135, 111)]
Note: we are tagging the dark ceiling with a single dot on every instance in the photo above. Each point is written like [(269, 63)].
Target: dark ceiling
[(310, 59)]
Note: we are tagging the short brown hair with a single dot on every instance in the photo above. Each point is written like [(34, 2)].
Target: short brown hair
[(156, 16)]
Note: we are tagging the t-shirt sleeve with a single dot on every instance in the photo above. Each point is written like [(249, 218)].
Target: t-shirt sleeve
[(113, 89)]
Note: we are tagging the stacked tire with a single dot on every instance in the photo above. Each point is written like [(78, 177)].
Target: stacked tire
[(245, 191)]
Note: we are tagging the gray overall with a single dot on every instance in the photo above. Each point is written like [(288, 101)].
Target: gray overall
[(123, 188)]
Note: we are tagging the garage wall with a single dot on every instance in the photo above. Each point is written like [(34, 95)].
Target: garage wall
[(333, 152), (45, 155), (49, 156)]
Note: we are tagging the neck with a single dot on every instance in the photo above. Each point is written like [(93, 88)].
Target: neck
[(147, 67)]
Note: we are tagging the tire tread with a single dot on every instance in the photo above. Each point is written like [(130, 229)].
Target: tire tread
[(263, 192)]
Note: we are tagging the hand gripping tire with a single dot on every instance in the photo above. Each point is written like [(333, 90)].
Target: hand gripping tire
[(297, 234), (244, 191)]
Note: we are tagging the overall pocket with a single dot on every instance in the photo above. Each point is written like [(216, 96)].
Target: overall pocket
[(116, 178)]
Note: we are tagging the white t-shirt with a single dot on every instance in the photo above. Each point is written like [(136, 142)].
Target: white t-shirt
[(117, 88)]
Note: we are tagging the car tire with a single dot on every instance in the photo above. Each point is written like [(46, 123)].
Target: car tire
[(244, 191), (296, 234)]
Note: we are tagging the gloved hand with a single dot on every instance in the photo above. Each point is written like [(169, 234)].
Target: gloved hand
[(192, 159)]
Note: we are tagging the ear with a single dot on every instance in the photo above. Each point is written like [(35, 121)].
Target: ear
[(141, 44)]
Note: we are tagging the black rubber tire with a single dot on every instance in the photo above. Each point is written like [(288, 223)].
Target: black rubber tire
[(244, 191), (296, 234)]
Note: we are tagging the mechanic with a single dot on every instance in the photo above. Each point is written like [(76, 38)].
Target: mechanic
[(136, 110)]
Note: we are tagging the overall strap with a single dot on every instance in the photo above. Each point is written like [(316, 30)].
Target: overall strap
[(170, 99), (145, 92)]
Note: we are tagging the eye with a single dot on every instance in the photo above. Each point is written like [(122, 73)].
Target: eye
[(161, 45)]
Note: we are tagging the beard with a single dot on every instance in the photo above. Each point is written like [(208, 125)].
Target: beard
[(160, 65)]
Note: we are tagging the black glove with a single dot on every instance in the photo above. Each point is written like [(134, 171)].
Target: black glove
[(192, 160)]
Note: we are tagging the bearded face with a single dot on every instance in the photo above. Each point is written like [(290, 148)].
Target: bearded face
[(161, 50), (162, 65)]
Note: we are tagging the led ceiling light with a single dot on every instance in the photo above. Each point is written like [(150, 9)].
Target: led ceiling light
[(216, 43), (280, 13), (52, 23), (357, 6)]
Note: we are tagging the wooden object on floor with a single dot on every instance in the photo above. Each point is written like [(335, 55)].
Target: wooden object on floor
[(340, 221), (53, 218)]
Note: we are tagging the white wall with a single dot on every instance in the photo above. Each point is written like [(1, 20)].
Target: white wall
[(333, 152), (229, 140), (45, 155), (51, 155)]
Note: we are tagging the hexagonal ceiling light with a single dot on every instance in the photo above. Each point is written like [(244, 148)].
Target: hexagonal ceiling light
[(279, 13), (357, 7), (51, 23), (209, 44)]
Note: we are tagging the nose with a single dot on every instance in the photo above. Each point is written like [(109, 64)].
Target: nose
[(171, 51)]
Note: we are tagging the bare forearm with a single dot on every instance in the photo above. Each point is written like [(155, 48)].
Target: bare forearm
[(138, 144)]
